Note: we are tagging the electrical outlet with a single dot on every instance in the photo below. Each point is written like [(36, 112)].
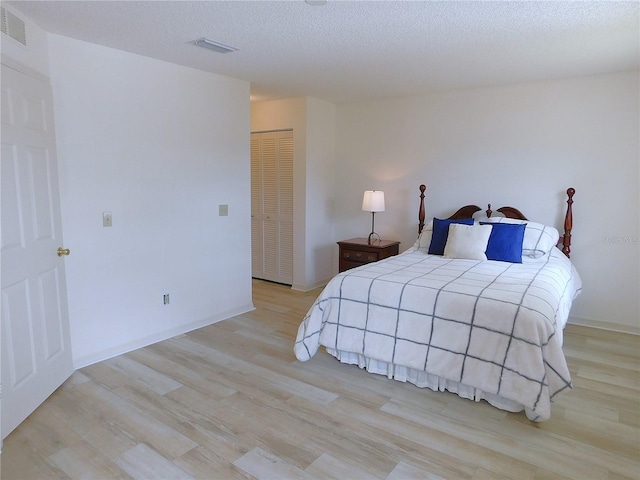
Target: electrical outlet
[(107, 219), (223, 210), (166, 299)]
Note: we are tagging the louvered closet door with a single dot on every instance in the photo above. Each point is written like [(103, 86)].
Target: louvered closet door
[(272, 206), (285, 204), (256, 208)]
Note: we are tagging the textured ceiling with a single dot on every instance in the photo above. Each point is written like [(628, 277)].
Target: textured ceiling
[(356, 50)]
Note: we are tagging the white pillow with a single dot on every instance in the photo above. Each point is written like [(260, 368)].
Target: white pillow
[(467, 241), (424, 239), (538, 239)]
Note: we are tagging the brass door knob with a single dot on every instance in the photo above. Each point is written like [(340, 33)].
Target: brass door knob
[(63, 251)]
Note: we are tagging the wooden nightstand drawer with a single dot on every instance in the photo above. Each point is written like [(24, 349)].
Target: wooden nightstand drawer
[(359, 256), (357, 251)]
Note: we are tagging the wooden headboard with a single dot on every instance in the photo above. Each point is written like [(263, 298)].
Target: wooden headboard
[(510, 212)]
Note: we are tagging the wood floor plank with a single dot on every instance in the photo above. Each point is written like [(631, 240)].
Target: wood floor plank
[(140, 425), (185, 376), (140, 373), (22, 459), (144, 462), (230, 401), (204, 462), (521, 445), (444, 436), (85, 462), (77, 415), (262, 464), (377, 450), (243, 368), (193, 415), (331, 468)]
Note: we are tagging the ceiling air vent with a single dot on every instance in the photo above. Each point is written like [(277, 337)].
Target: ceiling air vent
[(13, 26), (213, 45)]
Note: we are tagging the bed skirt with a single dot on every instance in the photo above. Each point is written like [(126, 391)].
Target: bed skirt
[(423, 379)]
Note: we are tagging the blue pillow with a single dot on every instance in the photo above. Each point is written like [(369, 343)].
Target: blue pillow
[(441, 233), (505, 242)]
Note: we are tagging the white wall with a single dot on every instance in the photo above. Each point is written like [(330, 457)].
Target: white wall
[(312, 121), (320, 249), (160, 146), (519, 145)]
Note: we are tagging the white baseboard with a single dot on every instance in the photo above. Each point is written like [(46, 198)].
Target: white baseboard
[(611, 326), (155, 338), (307, 288)]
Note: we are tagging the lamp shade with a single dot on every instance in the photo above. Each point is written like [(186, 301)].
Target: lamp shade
[(373, 201)]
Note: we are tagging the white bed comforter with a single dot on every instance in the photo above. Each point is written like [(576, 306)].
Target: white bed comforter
[(493, 326)]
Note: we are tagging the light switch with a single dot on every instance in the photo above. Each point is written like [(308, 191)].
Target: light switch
[(223, 210), (107, 221)]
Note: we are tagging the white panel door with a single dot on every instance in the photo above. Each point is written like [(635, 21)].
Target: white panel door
[(36, 345)]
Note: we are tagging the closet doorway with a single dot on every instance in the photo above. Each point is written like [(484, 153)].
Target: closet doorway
[(272, 206)]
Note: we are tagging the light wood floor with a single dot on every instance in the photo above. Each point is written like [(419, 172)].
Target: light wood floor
[(231, 401)]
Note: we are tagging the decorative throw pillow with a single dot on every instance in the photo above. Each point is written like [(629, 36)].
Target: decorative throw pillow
[(467, 241), (441, 232), (538, 239), (505, 242)]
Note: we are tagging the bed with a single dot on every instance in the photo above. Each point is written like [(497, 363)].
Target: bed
[(452, 314)]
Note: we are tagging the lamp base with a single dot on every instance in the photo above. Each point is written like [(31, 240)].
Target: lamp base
[(373, 233), (373, 237)]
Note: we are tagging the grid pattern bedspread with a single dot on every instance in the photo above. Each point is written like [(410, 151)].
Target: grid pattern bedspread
[(491, 325)]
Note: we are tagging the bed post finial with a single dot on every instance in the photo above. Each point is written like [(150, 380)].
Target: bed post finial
[(421, 210), (489, 211), (568, 223)]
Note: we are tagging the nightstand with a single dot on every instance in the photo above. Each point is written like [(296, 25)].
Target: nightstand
[(356, 251)]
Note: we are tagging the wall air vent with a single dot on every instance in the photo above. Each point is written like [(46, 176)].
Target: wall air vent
[(213, 45), (13, 26)]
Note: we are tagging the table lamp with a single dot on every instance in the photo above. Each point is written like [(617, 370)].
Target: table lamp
[(373, 201)]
